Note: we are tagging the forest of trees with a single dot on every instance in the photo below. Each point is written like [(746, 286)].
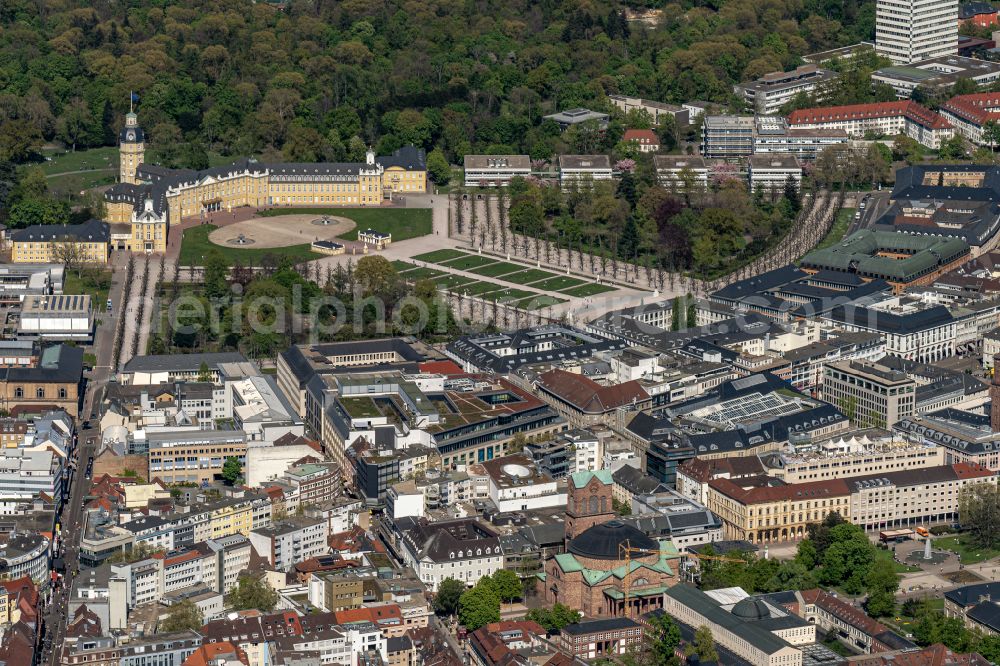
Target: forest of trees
[(323, 78)]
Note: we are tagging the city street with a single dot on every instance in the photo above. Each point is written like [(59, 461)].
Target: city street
[(55, 615)]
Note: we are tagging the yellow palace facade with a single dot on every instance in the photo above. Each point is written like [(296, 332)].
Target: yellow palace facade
[(150, 198)]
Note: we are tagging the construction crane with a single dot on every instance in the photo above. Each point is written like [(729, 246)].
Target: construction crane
[(625, 550)]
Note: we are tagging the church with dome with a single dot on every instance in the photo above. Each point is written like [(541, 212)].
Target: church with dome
[(605, 557)]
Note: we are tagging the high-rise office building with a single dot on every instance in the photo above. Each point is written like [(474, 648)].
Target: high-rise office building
[(910, 30)]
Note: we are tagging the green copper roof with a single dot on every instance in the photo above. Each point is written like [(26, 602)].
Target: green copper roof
[(568, 563), (617, 594), (581, 479)]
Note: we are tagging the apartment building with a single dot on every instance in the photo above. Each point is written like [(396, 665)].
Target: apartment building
[(907, 31), (290, 541), (871, 394), (24, 474), (768, 94)]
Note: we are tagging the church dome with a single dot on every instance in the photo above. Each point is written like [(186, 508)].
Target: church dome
[(751, 609), (602, 542)]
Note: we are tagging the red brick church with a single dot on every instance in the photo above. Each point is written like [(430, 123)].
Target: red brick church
[(591, 575)]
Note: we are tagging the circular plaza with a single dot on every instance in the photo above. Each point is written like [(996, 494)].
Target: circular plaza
[(281, 230)]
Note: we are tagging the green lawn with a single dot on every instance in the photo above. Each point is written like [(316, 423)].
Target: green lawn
[(900, 567), (528, 276), (422, 272), (480, 288), (195, 245), (440, 256), (72, 184), (96, 283), (452, 282), (961, 545), (505, 295), (498, 269), (468, 262), (95, 158), (402, 266), (538, 302), (587, 290), (839, 228), (557, 283), (104, 158), (402, 223)]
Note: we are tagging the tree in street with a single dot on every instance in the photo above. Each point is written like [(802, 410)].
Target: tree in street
[(448, 594), (507, 585), (703, 645), (665, 636), (479, 606)]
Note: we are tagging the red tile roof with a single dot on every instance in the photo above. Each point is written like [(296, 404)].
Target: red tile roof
[(587, 395), (978, 108), (793, 491), (853, 616), (645, 136), (828, 114), (374, 614), (181, 559), (441, 367), (209, 651)]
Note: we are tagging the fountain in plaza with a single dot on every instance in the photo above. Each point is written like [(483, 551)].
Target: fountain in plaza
[(927, 548), (241, 240), (324, 221)]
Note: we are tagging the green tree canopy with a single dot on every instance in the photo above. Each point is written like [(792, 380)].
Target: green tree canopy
[(253, 593), (479, 606), (232, 470), (182, 616), (448, 594)]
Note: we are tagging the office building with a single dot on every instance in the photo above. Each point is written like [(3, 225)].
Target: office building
[(911, 30), (583, 169), (772, 173), (495, 170), (768, 94), (937, 75), (727, 137), (886, 119), (871, 394)]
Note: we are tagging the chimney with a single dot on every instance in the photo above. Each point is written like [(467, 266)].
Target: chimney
[(995, 395)]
